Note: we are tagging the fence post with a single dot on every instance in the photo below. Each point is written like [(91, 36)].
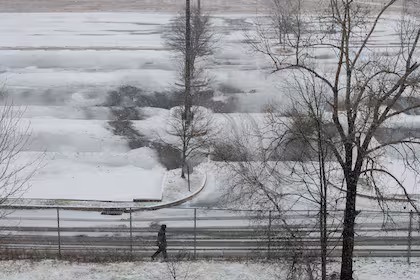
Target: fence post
[(195, 233), (410, 229), (269, 235), (131, 233), (59, 232)]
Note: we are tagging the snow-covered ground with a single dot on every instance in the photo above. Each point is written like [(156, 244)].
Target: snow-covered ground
[(66, 59), (127, 5), (107, 176), (365, 269), (236, 6), (61, 67)]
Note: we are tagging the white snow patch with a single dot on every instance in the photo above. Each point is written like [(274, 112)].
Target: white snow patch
[(99, 176), (365, 269), (176, 188)]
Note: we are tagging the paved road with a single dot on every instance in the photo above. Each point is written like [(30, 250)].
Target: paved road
[(216, 234)]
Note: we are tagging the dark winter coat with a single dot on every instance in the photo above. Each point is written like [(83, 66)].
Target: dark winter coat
[(161, 240)]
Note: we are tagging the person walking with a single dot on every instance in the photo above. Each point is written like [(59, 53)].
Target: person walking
[(161, 243)]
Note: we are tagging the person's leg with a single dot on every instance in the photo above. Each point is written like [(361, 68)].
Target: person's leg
[(165, 254), (156, 253)]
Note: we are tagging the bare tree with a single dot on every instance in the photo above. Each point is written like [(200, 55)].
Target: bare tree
[(412, 7), (285, 18), (262, 178), (364, 87), (188, 63), (15, 169), (308, 122), (285, 26), (193, 137), (191, 36)]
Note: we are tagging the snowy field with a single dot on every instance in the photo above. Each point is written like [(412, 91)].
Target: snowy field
[(71, 59), (365, 269), (60, 67), (124, 5), (237, 6)]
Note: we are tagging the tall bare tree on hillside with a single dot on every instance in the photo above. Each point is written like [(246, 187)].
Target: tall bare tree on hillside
[(191, 37), (364, 87), (412, 7), (188, 63), (285, 18), (192, 137)]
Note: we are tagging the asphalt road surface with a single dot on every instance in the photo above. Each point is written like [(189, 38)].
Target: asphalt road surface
[(221, 234)]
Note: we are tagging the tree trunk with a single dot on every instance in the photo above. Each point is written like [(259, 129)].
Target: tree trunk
[(188, 65), (182, 169), (324, 244), (183, 160), (323, 203), (348, 230), (323, 221), (188, 175), (280, 35)]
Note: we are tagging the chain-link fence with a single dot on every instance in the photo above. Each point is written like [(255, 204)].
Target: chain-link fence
[(199, 233)]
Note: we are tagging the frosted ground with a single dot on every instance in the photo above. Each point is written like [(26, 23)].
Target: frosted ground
[(60, 68), (367, 269)]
